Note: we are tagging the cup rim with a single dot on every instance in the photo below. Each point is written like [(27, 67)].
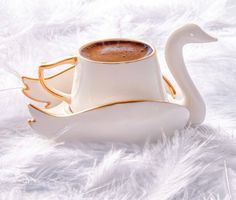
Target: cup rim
[(116, 39)]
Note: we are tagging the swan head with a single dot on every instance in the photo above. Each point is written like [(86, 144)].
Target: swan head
[(192, 33)]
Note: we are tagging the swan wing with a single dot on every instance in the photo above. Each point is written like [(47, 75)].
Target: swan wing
[(35, 91)]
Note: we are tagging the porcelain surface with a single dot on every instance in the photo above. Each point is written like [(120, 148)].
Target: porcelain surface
[(134, 121)]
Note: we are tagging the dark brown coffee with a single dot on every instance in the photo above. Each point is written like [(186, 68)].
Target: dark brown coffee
[(116, 51)]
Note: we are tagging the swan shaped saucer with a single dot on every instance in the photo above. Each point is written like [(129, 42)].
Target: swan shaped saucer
[(129, 121), (121, 121)]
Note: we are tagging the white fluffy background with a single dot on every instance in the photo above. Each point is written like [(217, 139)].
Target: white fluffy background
[(194, 164)]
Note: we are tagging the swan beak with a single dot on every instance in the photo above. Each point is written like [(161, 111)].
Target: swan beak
[(209, 38)]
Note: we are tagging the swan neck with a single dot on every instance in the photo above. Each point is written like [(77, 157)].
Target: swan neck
[(191, 96), (176, 64)]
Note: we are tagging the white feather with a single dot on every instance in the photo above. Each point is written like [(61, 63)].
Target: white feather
[(189, 165)]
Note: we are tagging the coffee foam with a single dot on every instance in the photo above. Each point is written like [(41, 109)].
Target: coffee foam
[(116, 51)]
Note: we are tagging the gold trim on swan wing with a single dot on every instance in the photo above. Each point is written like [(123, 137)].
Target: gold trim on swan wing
[(31, 121), (26, 87), (170, 87), (60, 95), (51, 76)]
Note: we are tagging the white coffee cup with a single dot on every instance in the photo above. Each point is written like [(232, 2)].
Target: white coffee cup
[(99, 83)]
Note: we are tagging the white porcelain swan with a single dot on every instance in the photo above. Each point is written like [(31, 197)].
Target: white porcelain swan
[(135, 120), (192, 99)]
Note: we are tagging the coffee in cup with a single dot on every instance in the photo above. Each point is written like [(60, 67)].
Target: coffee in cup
[(116, 51)]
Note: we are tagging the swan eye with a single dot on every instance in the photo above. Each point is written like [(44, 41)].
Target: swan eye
[(191, 34)]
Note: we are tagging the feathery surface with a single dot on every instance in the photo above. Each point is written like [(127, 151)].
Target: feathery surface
[(196, 163)]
